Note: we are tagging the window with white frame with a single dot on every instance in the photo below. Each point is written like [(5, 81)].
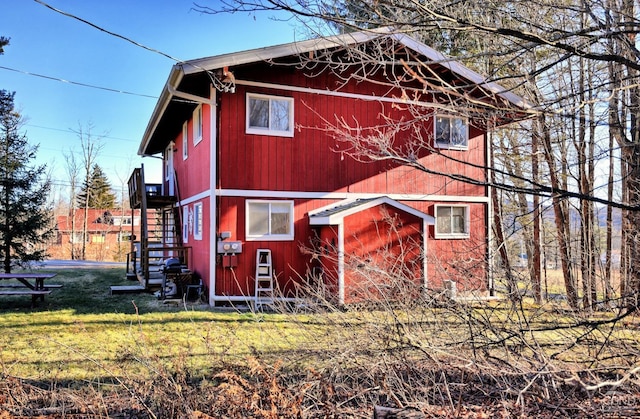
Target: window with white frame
[(197, 221), (185, 224), (452, 221), (197, 125), (185, 141), (269, 115), (269, 220), (451, 132)]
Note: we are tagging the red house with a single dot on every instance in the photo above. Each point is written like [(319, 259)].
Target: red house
[(106, 238), (301, 166)]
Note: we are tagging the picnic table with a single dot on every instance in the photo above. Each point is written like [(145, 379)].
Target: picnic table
[(30, 284)]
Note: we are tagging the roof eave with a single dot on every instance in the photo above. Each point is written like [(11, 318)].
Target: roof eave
[(461, 70), (174, 79)]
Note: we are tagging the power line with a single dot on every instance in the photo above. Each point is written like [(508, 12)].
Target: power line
[(138, 44), (93, 25), (70, 131), (77, 83)]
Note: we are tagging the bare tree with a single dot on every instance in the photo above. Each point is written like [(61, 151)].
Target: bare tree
[(91, 147), (583, 36), (73, 171)]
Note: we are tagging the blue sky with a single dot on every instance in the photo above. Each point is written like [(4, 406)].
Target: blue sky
[(48, 43)]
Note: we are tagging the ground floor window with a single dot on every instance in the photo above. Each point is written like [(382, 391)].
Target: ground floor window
[(185, 224), (269, 220), (452, 221), (197, 221)]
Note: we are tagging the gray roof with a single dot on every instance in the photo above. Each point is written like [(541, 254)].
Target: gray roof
[(166, 119)]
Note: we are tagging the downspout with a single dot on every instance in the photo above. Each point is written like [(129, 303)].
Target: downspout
[(213, 197), (425, 275), (489, 214), (341, 263)]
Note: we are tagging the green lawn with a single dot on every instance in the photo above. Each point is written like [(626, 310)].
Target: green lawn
[(81, 332), (333, 364)]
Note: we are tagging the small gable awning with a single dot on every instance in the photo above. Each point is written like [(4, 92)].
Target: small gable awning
[(335, 213)]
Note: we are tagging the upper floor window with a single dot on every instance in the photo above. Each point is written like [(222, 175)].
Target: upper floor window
[(452, 221), (269, 115), (197, 125), (269, 220), (451, 132), (185, 141)]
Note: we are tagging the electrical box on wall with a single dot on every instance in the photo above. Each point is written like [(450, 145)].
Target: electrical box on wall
[(225, 247), (229, 261)]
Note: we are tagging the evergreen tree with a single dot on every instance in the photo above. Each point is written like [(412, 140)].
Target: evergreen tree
[(3, 43), (97, 192), (25, 218)]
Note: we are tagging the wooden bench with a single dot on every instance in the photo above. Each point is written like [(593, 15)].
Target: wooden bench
[(25, 291), (32, 284), (35, 294), (46, 286)]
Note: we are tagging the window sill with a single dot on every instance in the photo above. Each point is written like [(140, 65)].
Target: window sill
[(453, 147), (269, 238), (270, 133), (451, 236)]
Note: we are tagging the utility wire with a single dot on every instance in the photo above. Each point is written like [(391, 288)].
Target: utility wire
[(70, 131), (93, 25), (76, 82), (138, 44)]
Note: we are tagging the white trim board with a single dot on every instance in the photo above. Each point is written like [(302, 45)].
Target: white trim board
[(251, 193)]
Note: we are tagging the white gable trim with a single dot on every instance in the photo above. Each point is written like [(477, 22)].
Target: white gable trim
[(338, 217)]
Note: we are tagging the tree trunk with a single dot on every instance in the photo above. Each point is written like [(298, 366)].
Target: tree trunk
[(501, 246), (561, 217), (535, 262), (631, 159)]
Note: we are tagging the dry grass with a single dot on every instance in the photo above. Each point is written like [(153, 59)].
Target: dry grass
[(144, 359)]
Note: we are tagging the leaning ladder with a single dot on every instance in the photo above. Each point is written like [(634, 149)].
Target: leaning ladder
[(264, 279)]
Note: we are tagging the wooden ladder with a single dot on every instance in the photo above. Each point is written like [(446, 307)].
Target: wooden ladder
[(264, 279)]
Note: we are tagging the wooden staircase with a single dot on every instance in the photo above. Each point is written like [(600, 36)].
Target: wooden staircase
[(158, 235)]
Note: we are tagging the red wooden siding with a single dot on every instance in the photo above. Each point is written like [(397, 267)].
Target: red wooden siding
[(383, 255), (313, 161), (193, 174), (461, 260), (290, 261)]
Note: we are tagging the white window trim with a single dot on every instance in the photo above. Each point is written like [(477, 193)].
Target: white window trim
[(467, 224), (168, 152), (197, 125), (198, 222), (185, 141), (267, 131), (269, 237), (450, 146), (185, 224)]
